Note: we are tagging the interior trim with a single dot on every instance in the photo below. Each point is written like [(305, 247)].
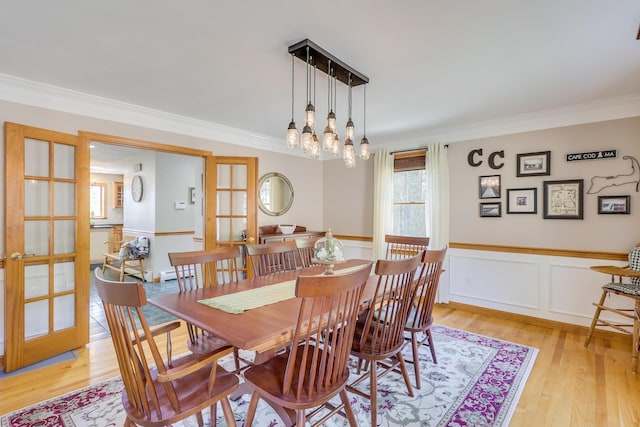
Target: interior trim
[(536, 321), (130, 231), (29, 92), (357, 238), (614, 256)]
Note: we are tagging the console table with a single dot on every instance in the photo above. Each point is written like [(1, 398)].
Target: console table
[(270, 234)]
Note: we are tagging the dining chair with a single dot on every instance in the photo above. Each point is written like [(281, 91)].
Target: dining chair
[(625, 282), (379, 334), (270, 258), (399, 247), (421, 314), (159, 392), (197, 269), (315, 370), (306, 251)]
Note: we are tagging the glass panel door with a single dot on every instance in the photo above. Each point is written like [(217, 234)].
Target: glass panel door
[(231, 194), (44, 300)]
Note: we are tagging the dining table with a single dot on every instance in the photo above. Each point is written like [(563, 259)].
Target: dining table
[(257, 314)]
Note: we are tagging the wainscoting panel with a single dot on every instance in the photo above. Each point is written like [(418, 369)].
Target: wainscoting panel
[(548, 287), (357, 249), (502, 281)]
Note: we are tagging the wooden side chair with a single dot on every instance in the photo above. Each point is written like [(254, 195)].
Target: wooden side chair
[(625, 281), (173, 389), (270, 258), (122, 259), (380, 334), (315, 370), (306, 251), (197, 269), (421, 315), (399, 247)]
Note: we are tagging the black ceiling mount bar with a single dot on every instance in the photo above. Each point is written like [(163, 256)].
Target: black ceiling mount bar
[(320, 59)]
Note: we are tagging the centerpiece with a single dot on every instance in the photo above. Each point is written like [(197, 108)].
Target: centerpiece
[(328, 251)]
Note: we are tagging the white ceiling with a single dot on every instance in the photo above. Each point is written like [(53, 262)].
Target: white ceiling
[(432, 65)]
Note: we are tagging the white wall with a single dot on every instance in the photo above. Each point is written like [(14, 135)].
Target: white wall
[(114, 215)]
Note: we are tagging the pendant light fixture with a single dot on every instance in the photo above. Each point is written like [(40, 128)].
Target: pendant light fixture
[(351, 131), (329, 141), (293, 138), (364, 142)]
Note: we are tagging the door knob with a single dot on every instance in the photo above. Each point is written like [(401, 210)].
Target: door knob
[(17, 256)]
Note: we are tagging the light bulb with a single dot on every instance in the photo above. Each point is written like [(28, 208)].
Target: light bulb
[(364, 148), (327, 139), (349, 154), (307, 139), (335, 148), (331, 121), (292, 135), (351, 131), (310, 116), (314, 149)]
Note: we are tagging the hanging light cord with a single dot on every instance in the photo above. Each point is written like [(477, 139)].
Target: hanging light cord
[(364, 113), (349, 96), (329, 85), (293, 66)]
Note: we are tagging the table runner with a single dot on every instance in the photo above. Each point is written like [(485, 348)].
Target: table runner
[(238, 302)]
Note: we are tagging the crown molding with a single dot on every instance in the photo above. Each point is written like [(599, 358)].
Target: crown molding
[(36, 94), (597, 111), (22, 91)]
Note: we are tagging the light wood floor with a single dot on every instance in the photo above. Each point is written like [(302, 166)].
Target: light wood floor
[(569, 385)]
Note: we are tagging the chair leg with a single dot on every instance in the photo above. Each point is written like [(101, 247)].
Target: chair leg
[(636, 342), (431, 347), (301, 419), (141, 269), (348, 409), (228, 413), (201, 420), (596, 316), (416, 364), (373, 389), (251, 411), (405, 374)]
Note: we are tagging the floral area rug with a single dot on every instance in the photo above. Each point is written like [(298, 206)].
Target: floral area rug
[(477, 382)]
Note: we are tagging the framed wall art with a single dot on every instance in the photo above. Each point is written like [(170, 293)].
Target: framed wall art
[(614, 205), (492, 209), (490, 187), (522, 201), (534, 164), (563, 199)]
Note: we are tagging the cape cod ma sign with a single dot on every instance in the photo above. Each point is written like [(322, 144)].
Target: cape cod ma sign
[(592, 155)]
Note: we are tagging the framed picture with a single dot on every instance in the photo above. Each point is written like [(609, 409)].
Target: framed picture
[(493, 209), (522, 201), (614, 205), (563, 199), (534, 164), (490, 187)]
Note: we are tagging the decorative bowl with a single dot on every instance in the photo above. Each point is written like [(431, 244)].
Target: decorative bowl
[(287, 228)]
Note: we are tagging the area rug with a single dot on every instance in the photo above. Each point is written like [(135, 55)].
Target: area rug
[(476, 382)]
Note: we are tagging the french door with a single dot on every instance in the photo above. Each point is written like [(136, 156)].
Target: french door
[(231, 203), (46, 242)]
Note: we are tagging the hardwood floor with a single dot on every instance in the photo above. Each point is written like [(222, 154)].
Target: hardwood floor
[(569, 385)]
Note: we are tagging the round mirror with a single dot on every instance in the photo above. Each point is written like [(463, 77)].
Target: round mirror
[(275, 194)]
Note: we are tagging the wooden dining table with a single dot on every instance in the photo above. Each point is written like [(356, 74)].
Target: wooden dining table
[(264, 329)]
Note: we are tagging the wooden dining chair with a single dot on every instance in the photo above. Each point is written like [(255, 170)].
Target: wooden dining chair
[(625, 282), (315, 370), (399, 247), (197, 269), (271, 258), (159, 392), (421, 314), (379, 335), (306, 251)]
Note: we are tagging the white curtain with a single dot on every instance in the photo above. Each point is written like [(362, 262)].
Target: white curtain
[(382, 201), (437, 197)]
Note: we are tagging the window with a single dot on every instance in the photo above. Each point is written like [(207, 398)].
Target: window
[(97, 200), (409, 194)]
